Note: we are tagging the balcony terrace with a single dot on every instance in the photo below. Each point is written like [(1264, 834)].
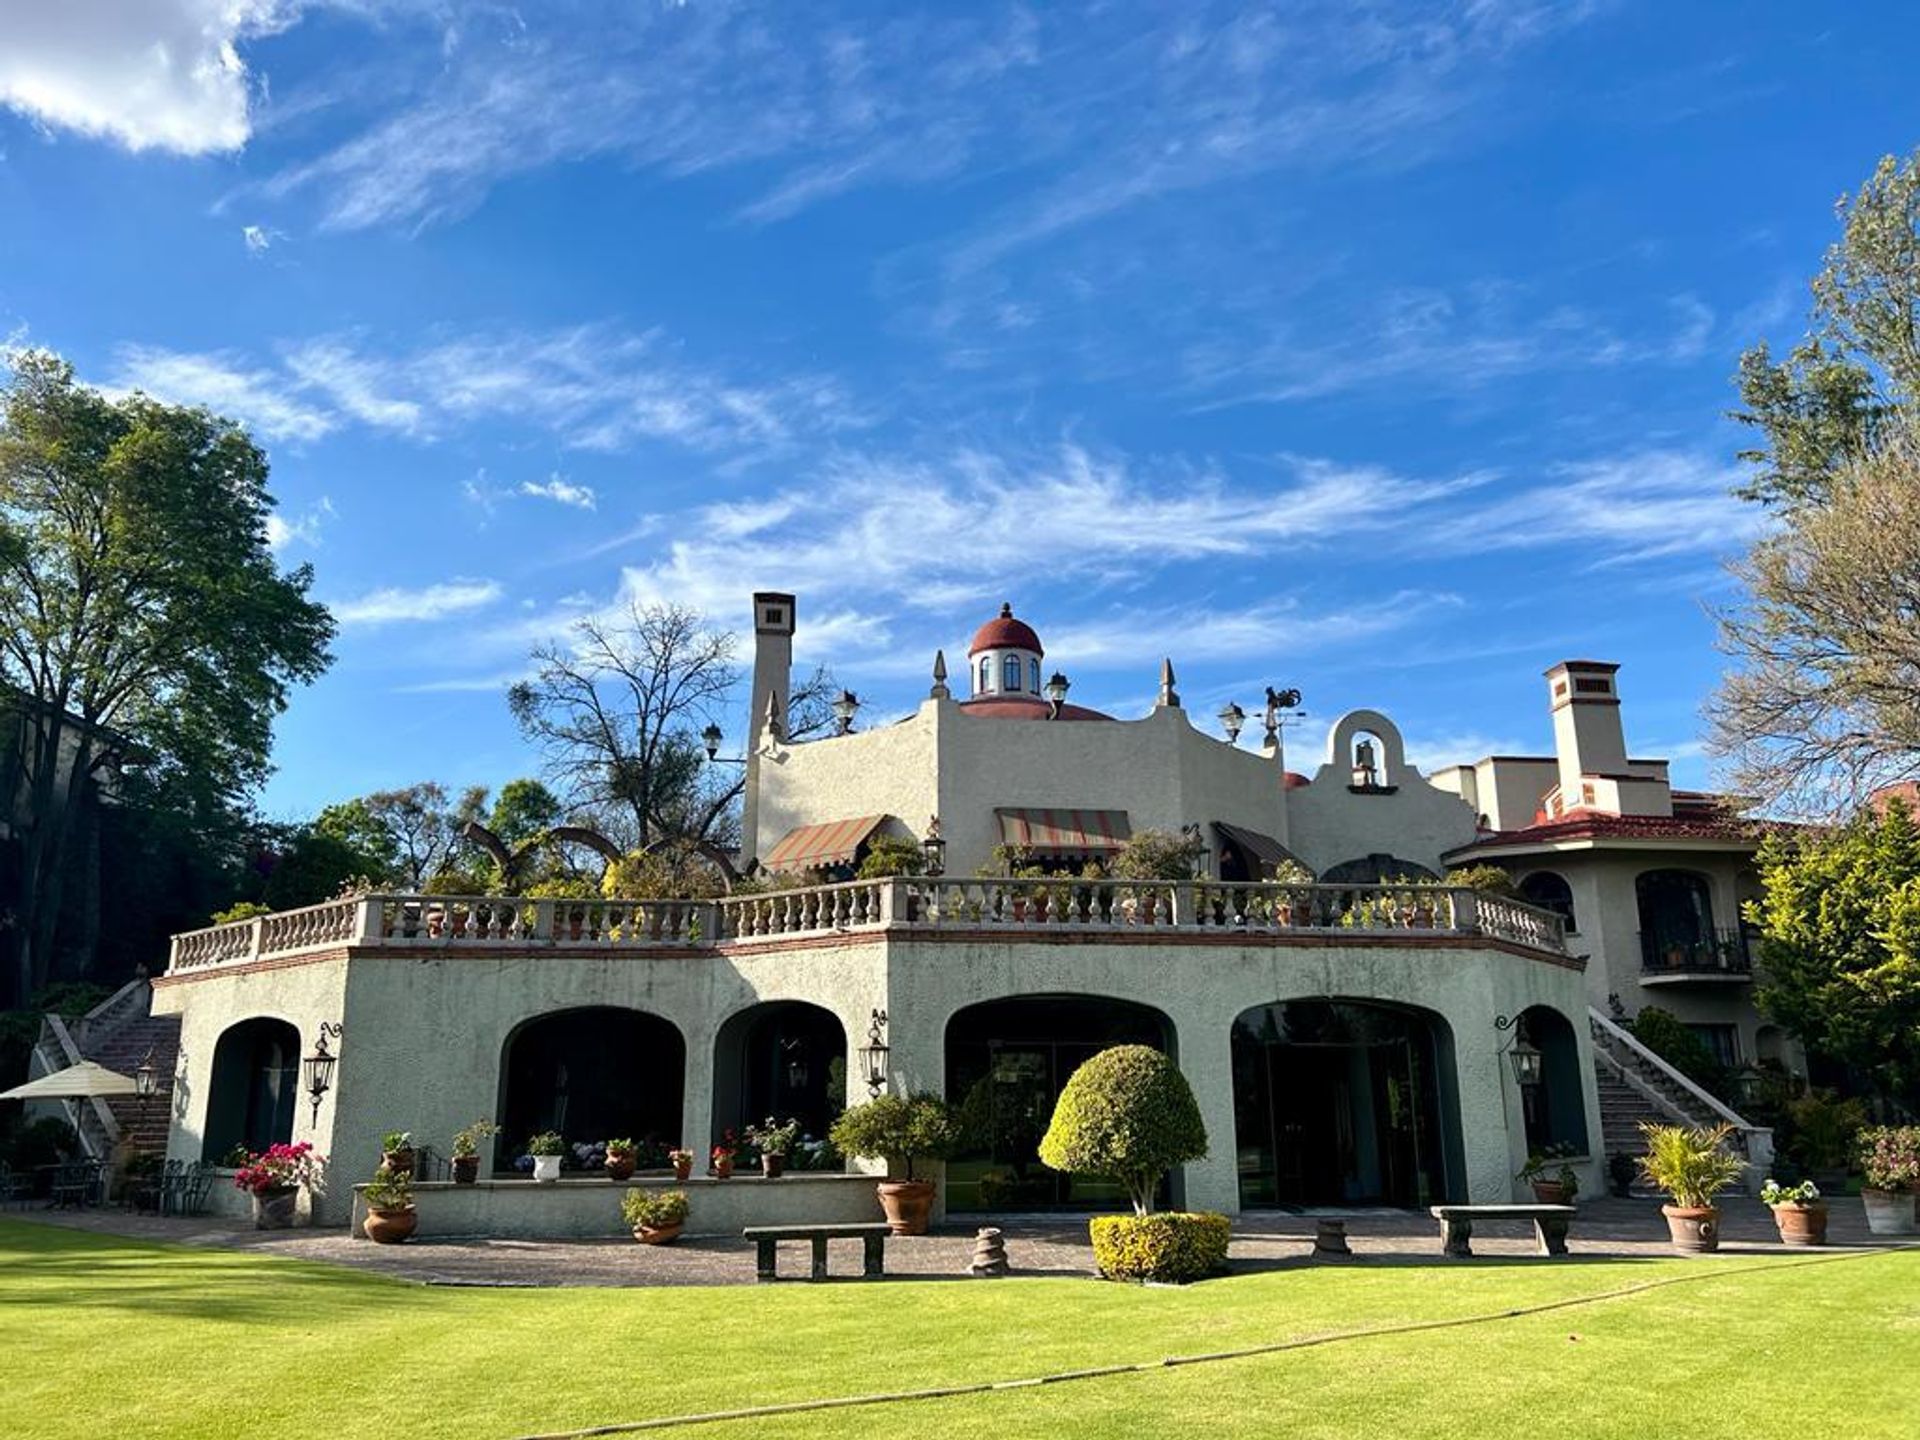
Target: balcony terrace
[(1724, 957)]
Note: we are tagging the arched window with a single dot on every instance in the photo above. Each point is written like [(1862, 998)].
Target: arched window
[(590, 1073), (1033, 676), (1550, 892), (1010, 674), (1676, 920), (986, 676)]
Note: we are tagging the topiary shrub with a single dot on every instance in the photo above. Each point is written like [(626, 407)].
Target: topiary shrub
[(1127, 1114), (1172, 1247), (895, 1128)]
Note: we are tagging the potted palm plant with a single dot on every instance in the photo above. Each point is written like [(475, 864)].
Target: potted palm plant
[(546, 1148), (773, 1141), (466, 1150), (391, 1216), (654, 1216), (622, 1156), (1798, 1210), (894, 1128), (1890, 1163), (1692, 1165)]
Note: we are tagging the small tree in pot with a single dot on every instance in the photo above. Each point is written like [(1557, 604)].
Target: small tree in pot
[(466, 1150), (654, 1216), (1692, 1165), (391, 1216), (1129, 1114), (899, 1129)]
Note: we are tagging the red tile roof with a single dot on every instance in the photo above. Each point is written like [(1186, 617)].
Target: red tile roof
[(1024, 707), (1701, 823), (1003, 632)]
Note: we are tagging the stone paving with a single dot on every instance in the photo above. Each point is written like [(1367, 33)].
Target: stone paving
[(1053, 1245)]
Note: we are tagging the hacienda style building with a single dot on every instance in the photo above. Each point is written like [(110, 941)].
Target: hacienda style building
[(1366, 1036)]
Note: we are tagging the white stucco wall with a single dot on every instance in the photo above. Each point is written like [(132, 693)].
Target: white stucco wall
[(1417, 821)]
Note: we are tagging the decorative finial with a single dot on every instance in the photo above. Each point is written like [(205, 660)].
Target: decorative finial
[(1167, 694), (776, 722), (1006, 609), (940, 690)]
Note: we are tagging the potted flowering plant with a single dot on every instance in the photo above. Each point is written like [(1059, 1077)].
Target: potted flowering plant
[(275, 1179), (1551, 1186), (899, 1128), (654, 1216), (682, 1162), (391, 1216), (622, 1156), (722, 1156), (396, 1150), (1890, 1163), (1798, 1210), (1692, 1165), (466, 1150), (773, 1141), (546, 1148)]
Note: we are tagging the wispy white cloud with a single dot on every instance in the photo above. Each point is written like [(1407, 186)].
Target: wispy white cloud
[(259, 239), (393, 604), (561, 491), (149, 74), (301, 529), (265, 399)]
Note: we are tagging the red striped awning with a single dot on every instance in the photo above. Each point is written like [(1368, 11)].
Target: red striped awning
[(1065, 832), (812, 846)]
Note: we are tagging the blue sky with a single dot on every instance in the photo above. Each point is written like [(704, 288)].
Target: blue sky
[(1376, 349)]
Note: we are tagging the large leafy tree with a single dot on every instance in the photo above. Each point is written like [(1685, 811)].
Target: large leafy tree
[(1840, 926), (1825, 703), (142, 614)]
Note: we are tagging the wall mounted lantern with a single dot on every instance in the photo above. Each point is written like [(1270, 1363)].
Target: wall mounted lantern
[(844, 706), (146, 1080), (319, 1067), (1524, 1058), (934, 848), (873, 1054), (1232, 718)]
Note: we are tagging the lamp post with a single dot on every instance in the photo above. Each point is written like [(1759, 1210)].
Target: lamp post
[(934, 848), (1056, 693), (844, 706), (873, 1054), (1232, 718), (710, 737), (319, 1067)]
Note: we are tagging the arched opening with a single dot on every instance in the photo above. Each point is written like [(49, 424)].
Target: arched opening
[(1676, 920), (786, 1059), (1010, 673), (1366, 756), (256, 1079), (1376, 869), (593, 1074), (1007, 1061), (1555, 1109), (1344, 1102), (1550, 892)]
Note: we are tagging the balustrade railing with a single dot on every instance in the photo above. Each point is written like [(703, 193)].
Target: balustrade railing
[(1041, 905)]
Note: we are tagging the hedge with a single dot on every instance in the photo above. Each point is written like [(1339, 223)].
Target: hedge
[(1172, 1246)]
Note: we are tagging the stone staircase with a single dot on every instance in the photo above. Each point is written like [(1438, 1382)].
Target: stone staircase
[(1622, 1109), (1635, 1085), (118, 1033)]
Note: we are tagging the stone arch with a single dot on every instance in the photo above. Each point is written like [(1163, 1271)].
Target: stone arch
[(1345, 1100), (1007, 1059), (781, 1058), (1555, 1110), (593, 1073), (1550, 891), (1676, 918), (253, 1088), (1391, 750)]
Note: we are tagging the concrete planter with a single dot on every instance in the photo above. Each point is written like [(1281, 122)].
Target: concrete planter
[(546, 1168), (276, 1209), (1889, 1212)]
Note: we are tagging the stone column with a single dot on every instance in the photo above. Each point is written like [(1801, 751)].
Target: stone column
[(696, 1105), (1206, 1059)]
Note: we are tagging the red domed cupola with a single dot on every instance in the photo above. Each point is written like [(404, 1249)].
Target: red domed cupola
[(1003, 632)]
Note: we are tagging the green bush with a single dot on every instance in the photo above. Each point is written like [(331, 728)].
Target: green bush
[(1690, 1163), (896, 1128), (389, 1190), (1159, 855), (653, 1209), (1662, 1032), (1172, 1247), (890, 855), (1127, 1114), (1490, 878), (243, 910)]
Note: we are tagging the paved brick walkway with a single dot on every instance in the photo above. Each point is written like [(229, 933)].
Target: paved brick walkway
[(1036, 1245)]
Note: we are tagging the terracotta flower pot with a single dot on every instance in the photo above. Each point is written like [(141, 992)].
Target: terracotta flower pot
[(1551, 1192), (620, 1165), (771, 1166), (400, 1162), (546, 1168), (908, 1203), (390, 1227), (1695, 1229), (1889, 1212), (276, 1209), (656, 1235), (682, 1170), (466, 1169), (1801, 1224), (723, 1169)]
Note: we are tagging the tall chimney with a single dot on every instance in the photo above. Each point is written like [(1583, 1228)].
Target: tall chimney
[(1587, 735), (772, 681)]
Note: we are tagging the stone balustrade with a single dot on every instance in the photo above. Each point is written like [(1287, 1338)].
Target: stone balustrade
[(1024, 906)]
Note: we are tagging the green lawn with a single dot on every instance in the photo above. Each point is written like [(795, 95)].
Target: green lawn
[(106, 1336)]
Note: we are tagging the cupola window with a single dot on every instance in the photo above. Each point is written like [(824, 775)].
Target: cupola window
[(1033, 676), (986, 676), (1010, 675)]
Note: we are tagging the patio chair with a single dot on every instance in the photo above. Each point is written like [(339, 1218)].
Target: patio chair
[(75, 1184), (199, 1182), (16, 1188)]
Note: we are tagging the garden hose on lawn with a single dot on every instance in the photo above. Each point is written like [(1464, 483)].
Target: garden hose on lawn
[(1141, 1367)]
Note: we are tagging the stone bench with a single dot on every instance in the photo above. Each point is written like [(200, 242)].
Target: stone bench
[(873, 1238), (1550, 1224)]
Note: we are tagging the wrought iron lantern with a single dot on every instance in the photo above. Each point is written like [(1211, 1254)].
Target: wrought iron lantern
[(711, 738), (146, 1079), (1232, 718), (873, 1054), (1056, 693), (934, 848), (319, 1067), (1525, 1058), (844, 706)]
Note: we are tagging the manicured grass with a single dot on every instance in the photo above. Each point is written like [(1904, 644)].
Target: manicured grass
[(107, 1336)]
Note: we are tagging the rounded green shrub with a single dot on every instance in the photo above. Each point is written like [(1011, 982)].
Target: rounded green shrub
[(895, 1128), (1172, 1247), (1127, 1114)]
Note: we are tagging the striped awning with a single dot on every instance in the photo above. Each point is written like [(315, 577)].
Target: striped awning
[(1263, 848), (1064, 832), (812, 846)]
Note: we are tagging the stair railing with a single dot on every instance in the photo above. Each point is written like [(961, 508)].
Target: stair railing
[(1654, 1080)]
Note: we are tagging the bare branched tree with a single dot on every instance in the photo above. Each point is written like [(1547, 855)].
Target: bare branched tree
[(617, 712), (1827, 705)]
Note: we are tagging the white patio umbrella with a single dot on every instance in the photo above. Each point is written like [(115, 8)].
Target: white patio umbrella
[(77, 1082)]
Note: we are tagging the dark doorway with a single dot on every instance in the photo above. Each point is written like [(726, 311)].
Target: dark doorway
[(256, 1078), (1555, 1109), (784, 1059), (594, 1074), (1007, 1061), (1343, 1103)]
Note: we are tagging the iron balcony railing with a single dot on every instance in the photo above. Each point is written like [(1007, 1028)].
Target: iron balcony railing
[(1722, 953)]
